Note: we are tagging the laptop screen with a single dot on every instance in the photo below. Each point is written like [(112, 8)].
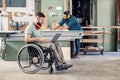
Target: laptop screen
[(55, 38)]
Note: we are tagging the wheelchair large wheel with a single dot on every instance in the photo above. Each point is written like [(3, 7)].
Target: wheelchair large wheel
[(30, 58)]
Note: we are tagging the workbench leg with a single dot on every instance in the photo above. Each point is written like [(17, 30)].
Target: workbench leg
[(85, 52), (101, 52)]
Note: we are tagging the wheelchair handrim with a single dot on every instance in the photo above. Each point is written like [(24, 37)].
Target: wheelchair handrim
[(40, 53)]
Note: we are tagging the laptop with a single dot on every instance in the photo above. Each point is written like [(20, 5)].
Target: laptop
[(55, 38)]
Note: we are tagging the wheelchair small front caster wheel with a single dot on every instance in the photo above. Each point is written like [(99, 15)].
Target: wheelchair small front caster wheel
[(51, 71)]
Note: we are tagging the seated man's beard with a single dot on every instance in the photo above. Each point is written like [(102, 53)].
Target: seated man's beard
[(39, 24)]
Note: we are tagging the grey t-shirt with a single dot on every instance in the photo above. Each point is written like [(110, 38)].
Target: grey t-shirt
[(31, 29)]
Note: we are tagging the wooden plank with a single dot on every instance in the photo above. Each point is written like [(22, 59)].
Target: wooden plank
[(65, 7), (96, 33), (85, 34), (91, 48), (99, 32), (82, 48), (93, 40), (97, 27), (4, 4)]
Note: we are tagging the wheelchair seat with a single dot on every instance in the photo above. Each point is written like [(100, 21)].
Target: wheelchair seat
[(32, 57)]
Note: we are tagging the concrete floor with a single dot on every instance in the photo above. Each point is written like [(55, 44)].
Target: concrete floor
[(86, 67)]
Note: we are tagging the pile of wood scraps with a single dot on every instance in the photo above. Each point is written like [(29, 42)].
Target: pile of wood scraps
[(92, 48)]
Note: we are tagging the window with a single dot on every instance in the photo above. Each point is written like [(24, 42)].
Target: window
[(14, 3), (0, 3), (18, 3)]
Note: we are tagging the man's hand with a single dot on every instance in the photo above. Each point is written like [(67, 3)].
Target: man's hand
[(60, 28), (43, 39), (64, 28), (56, 27)]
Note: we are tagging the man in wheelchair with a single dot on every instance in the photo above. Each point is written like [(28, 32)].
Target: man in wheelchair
[(32, 34)]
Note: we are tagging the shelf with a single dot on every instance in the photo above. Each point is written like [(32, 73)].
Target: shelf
[(96, 33), (93, 40), (97, 27)]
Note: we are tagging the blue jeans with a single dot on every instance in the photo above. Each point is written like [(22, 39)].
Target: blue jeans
[(77, 45)]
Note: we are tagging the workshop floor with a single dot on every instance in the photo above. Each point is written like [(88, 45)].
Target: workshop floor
[(87, 67)]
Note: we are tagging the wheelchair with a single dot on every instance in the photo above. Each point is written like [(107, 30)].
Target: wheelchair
[(32, 57)]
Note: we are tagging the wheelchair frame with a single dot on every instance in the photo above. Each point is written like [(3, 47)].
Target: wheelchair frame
[(42, 57)]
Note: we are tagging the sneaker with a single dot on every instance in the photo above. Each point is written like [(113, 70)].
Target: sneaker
[(67, 65), (63, 67), (72, 55), (64, 62)]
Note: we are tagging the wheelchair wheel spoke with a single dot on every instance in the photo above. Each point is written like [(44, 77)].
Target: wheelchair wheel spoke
[(26, 66), (36, 65)]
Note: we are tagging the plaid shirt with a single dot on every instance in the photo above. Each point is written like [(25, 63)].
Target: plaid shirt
[(72, 23)]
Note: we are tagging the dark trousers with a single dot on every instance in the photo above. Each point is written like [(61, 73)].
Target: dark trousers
[(77, 46)]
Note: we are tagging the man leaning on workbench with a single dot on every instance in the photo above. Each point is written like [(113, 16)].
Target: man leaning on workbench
[(71, 23)]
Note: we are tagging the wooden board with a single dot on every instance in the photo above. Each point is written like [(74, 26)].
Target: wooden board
[(96, 27), (4, 4), (85, 34), (93, 40), (89, 33), (92, 48)]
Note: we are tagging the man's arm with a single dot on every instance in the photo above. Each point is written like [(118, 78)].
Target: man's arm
[(56, 27), (59, 25), (29, 39), (60, 28), (65, 27)]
